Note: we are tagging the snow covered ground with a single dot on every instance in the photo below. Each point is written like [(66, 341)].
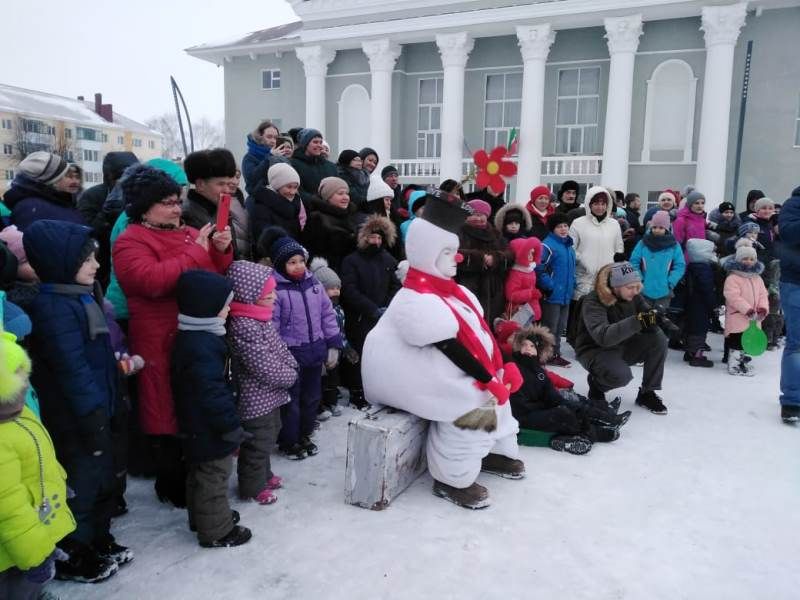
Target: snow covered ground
[(701, 503)]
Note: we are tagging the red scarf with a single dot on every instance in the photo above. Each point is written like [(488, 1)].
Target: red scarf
[(428, 284)]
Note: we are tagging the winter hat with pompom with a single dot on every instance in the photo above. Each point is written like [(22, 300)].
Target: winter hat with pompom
[(748, 227), (661, 219), (276, 244), (378, 189), (15, 367), (324, 274), (480, 207)]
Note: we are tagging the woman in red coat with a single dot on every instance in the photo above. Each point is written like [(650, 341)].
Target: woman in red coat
[(148, 259)]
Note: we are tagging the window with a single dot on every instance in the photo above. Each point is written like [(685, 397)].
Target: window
[(121, 140), (84, 133), (9, 174), (68, 133), (271, 79), (69, 156), (104, 137), (7, 124), (578, 111), (797, 125), (8, 149), (151, 144), (429, 119), (669, 113), (502, 109), (137, 143), (91, 155), (34, 126)]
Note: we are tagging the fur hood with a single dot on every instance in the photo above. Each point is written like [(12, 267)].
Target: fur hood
[(610, 206), (603, 288), (521, 247), (541, 337), (500, 217), (377, 224)]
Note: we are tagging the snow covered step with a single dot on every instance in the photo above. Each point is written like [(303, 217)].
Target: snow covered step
[(385, 454)]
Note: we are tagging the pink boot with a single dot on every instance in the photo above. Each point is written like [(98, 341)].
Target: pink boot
[(274, 483), (266, 496)]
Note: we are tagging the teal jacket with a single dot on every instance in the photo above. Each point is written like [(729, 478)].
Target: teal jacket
[(660, 268), (114, 294)]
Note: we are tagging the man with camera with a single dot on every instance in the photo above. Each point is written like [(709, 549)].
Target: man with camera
[(617, 328)]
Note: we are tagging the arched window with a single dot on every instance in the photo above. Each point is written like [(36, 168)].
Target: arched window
[(354, 118), (669, 115)]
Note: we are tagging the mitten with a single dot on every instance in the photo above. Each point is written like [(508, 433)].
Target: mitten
[(128, 365), (512, 378), (95, 432)]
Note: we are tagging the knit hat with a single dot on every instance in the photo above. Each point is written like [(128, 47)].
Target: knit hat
[(12, 360), (388, 170), (661, 219), (378, 189), (568, 185), (281, 174), (726, 206), (480, 206), (745, 251), (346, 157), (324, 274), (748, 227), (276, 244), (505, 329), (13, 239), (622, 274), (694, 196), (754, 195), (556, 219), (763, 203), (330, 185), (687, 189), (44, 167), (540, 190), (203, 294), (169, 167), (207, 164), (306, 135), (143, 186), (668, 194)]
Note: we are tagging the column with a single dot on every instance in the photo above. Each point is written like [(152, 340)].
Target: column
[(534, 43), (315, 61), (622, 34), (454, 49), (382, 55), (721, 25)]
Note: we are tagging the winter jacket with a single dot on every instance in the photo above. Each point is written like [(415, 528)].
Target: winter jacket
[(305, 320), (539, 227), (524, 217), (495, 202), (312, 170), (199, 211), (31, 201), (486, 283), (725, 229), (91, 201), (75, 375), (555, 273), (564, 208), (596, 243), (114, 293), (660, 263), (700, 289), (25, 541), (263, 369), (256, 163), (414, 197), (148, 263), (266, 208), (520, 287), (744, 291), (330, 231), (537, 392), (358, 182), (766, 238), (689, 225), (789, 226)]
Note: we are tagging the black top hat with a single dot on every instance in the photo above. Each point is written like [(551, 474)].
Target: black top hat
[(445, 210)]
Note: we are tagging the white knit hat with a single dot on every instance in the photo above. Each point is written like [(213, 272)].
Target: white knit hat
[(281, 174), (378, 188)]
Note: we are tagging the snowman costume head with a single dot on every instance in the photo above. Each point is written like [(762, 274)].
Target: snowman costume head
[(431, 245)]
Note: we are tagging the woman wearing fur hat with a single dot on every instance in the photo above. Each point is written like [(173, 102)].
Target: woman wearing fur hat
[(512, 221), (727, 223), (277, 204), (330, 231), (310, 164)]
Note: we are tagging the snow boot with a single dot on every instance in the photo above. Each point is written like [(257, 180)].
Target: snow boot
[(606, 433), (790, 413), (573, 444), (235, 537), (294, 452), (274, 483), (113, 551), (358, 401), (614, 404), (235, 517), (502, 466), (651, 401), (739, 364), (84, 564), (698, 359), (474, 497), (309, 446), (265, 497)]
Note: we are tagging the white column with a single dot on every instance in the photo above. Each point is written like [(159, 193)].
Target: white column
[(534, 43), (315, 61), (382, 55), (454, 49), (721, 25), (622, 34)]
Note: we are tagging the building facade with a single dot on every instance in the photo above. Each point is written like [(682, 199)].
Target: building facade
[(81, 131), (639, 95)]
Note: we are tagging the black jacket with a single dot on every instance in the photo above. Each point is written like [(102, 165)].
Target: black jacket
[(267, 207), (312, 170), (330, 231), (487, 284)]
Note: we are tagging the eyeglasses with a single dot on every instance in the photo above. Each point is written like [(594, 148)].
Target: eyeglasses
[(171, 203)]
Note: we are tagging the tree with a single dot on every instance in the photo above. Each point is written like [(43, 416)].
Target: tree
[(207, 134)]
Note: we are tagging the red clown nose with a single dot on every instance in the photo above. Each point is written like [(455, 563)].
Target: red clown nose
[(459, 258)]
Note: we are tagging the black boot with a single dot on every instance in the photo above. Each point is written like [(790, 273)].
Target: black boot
[(85, 564), (235, 537), (358, 401), (651, 401), (474, 497), (573, 444)]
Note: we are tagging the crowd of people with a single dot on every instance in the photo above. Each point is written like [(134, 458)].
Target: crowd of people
[(141, 336)]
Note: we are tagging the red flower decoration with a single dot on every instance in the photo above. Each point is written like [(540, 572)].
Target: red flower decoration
[(493, 168)]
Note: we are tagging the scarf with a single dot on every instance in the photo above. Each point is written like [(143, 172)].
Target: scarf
[(251, 311), (659, 242), (213, 325), (92, 299), (257, 150), (443, 288)]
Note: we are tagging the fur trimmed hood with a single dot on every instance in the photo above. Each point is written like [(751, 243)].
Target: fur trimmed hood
[(542, 338), (500, 217), (377, 224), (521, 247)]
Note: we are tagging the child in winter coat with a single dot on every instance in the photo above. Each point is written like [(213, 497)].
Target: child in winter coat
[(76, 379), (206, 407), (659, 260), (305, 319), (504, 332), (33, 486), (513, 221), (746, 300), (416, 204), (520, 288), (263, 371), (555, 275), (691, 220), (700, 300)]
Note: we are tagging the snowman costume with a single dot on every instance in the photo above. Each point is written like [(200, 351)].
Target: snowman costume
[(404, 364)]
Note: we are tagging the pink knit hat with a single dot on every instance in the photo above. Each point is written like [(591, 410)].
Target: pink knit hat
[(13, 239), (661, 219), (480, 206)]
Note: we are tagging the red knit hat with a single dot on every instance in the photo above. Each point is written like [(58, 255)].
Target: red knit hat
[(539, 190)]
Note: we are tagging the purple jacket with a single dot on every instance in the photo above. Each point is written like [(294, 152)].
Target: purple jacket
[(305, 319), (263, 367)]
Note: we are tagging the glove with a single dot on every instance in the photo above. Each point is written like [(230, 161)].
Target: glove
[(237, 436), (647, 318), (512, 378), (95, 432), (711, 225), (762, 312), (351, 356), (47, 569), (333, 358), (129, 365)]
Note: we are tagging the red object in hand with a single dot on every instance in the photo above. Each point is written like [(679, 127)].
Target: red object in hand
[(223, 211), (512, 377), (492, 168)]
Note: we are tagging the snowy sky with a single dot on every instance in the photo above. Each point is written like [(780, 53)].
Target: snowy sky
[(128, 50)]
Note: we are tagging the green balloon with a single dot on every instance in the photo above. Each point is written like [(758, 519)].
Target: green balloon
[(754, 340)]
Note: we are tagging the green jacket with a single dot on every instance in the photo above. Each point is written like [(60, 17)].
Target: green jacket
[(25, 540), (311, 170)]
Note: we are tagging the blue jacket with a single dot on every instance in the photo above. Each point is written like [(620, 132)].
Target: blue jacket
[(555, 274), (660, 270), (789, 227), (74, 375)]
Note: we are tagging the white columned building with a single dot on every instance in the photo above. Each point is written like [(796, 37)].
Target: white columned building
[(721, 25), (622, 34), (454, 49), (315, 61), (534, 43), (382, 55)]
